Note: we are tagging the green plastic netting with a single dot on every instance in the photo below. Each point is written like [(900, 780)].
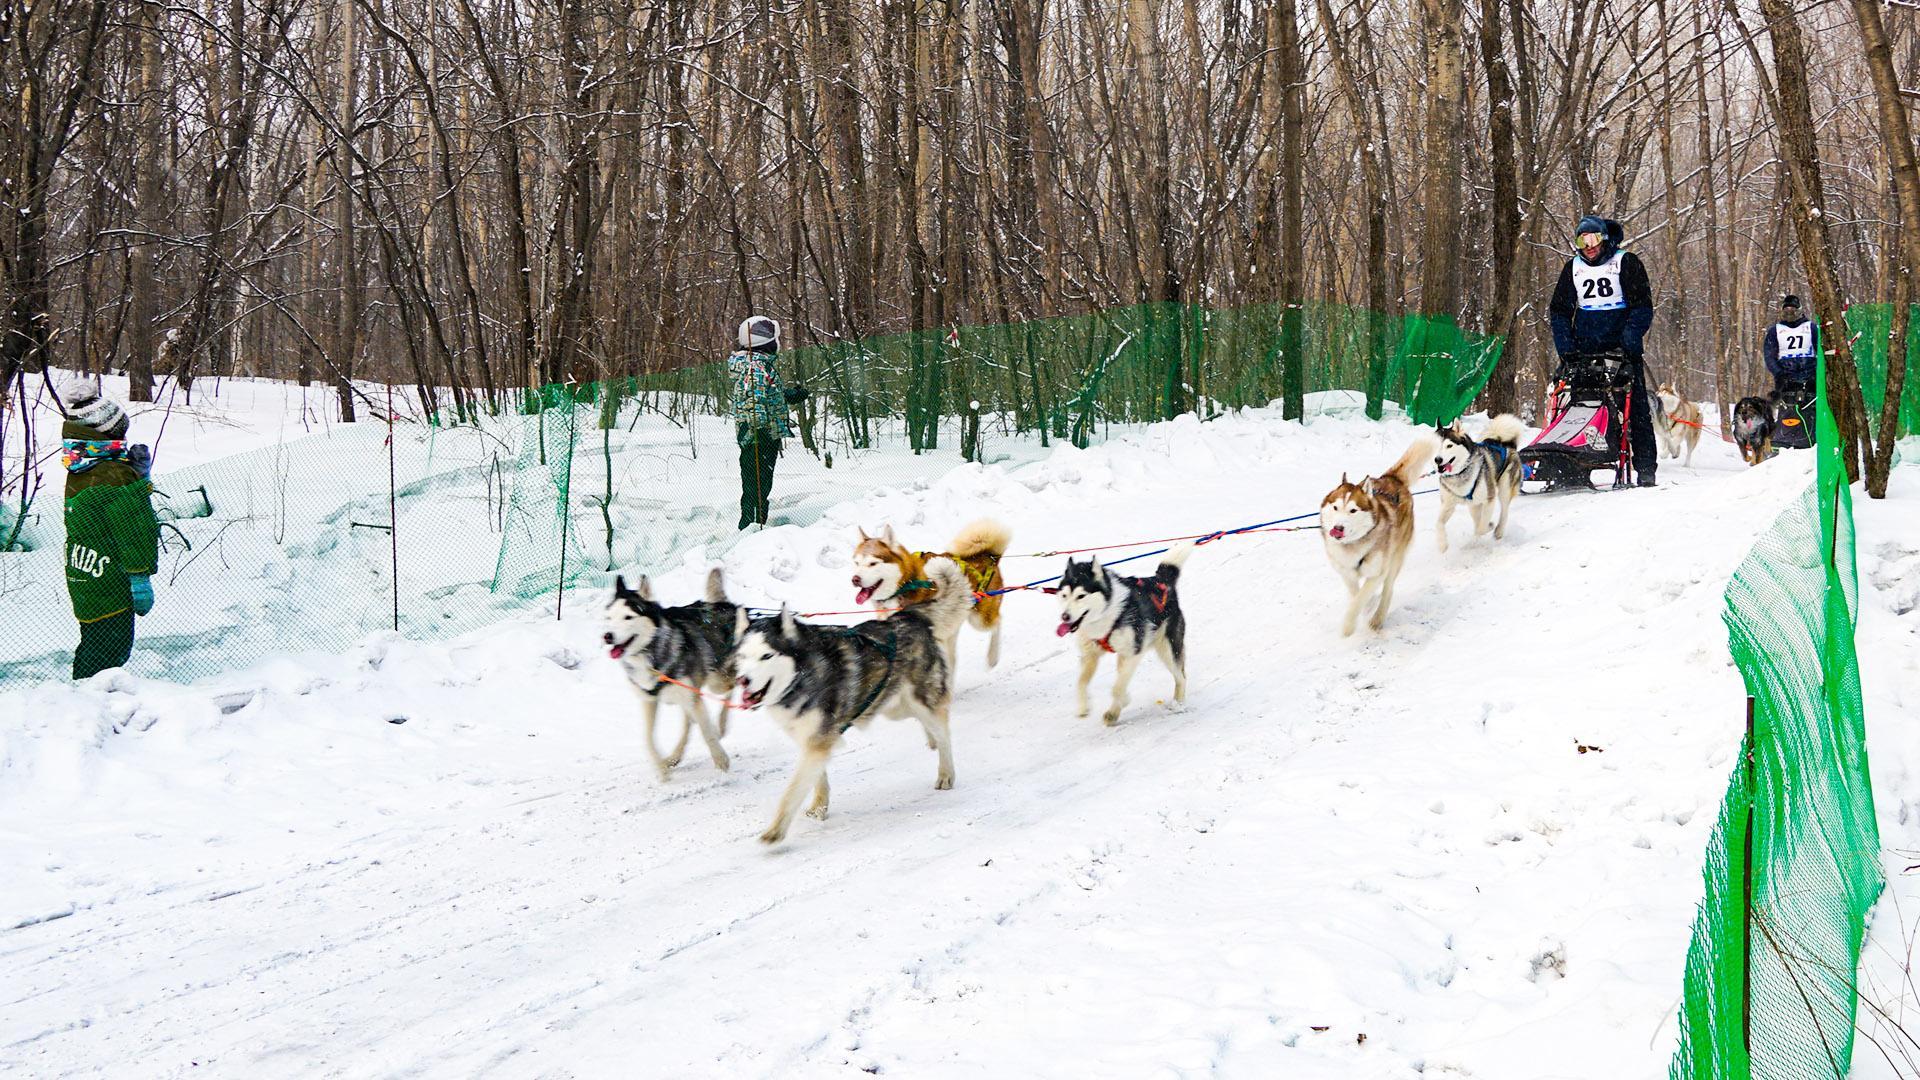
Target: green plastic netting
[(1871, 326), (1794, 861), (294, 547), (1066, 378)]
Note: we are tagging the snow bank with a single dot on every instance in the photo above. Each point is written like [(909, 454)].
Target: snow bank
[(277, 520), (1377, 857)]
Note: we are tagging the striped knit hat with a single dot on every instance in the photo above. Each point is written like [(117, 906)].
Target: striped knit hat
[(86, 405)]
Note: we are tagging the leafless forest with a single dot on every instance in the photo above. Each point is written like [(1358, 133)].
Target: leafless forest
[(476, 195)]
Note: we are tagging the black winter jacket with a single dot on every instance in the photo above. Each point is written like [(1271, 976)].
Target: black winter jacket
[(1576, 331), (1796, 368)]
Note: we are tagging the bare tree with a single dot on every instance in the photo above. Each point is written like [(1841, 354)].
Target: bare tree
[(479, 198), (1897, 134)]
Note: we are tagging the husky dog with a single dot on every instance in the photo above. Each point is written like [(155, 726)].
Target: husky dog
[(675, 653), (818, 681), (1367, 528), (1677, 423), (887, 573), (1753, 429), (1125, 616), (1479, 473)]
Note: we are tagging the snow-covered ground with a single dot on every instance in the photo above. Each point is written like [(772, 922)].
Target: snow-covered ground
[(1888, 543), (1378, 857), (276, 535)]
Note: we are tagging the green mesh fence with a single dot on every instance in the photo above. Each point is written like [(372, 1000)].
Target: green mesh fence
[(1794, 861), (1067, 378), (295, 547), (1871, 326)]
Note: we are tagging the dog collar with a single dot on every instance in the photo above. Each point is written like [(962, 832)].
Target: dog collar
[(906, 587)]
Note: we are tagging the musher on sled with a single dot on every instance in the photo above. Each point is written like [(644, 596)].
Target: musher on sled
[(1791, 350), (1601, 311)]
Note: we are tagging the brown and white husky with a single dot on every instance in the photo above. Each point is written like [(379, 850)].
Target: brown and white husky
[(1367, 528), (891, 577)]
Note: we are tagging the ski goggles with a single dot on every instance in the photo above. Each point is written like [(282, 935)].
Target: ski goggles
[(1592, 240)]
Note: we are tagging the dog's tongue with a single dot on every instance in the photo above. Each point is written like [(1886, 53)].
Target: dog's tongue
[(865, 594), (617, 652), (1063, 629), (1338, 531)]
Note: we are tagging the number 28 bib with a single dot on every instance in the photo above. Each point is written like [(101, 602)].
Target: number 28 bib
[(1598, 287)]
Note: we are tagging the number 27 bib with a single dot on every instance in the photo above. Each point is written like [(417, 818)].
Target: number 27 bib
[(1598, 287), (1796, 342)]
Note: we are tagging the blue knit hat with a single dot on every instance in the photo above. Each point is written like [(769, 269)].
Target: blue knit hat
[(1593, 223)]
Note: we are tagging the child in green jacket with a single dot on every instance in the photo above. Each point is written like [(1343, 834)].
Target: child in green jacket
[(113, 537), (760, 405)]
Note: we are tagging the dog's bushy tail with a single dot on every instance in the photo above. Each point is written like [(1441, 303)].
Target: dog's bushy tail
[(1506, 429), (1414, 463), (716, 587), (983, 537), (1172, 562), (952, 598)]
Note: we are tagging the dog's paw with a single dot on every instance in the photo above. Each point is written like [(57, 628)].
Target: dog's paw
[(817, 813), (773, 835), (722, 762), (943, 783), (1111, 718)]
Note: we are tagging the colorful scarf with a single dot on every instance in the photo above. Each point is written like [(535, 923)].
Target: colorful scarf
[(79, 455)]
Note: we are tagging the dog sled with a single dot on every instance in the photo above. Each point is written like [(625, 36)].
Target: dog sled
[(1586, 429), (1793, 411)]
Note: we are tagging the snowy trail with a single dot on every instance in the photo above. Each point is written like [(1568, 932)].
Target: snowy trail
[(1390, 837)]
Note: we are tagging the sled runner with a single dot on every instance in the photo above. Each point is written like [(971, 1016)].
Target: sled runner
[(1586, 431), (1793, 416)]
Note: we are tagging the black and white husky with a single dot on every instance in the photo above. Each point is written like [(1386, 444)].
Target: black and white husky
[(1478, 473), (674, 653), (1109, 613), (817, 681)]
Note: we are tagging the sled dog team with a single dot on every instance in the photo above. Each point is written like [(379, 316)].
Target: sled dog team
[(817, 680)]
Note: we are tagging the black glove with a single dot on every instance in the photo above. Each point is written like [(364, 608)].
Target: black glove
[(797, 393)]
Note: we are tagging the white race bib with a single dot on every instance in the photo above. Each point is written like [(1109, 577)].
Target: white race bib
[(1597, 288), (1796, 342)]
